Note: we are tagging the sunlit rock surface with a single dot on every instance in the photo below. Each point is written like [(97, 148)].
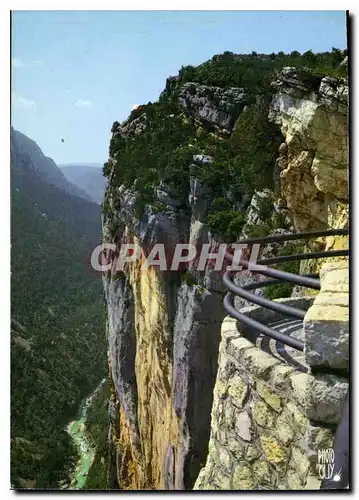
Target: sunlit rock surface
[(313, 115)]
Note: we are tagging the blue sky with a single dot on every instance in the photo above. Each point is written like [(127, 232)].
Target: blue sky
[(75, 72)]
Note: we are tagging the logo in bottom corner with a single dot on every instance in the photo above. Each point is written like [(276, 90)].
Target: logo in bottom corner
[(326, 464)]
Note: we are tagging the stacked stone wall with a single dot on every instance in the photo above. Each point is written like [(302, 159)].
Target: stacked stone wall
[(273, 415)]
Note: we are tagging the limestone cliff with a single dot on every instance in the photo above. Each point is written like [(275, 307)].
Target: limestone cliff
[(313, 161), (275, 410), (163, 344), (183, 170)]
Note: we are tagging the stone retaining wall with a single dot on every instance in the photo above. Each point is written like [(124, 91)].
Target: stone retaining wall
[(270, 417)]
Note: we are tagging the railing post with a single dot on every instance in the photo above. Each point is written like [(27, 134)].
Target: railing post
[(326, 331), (326, 324)]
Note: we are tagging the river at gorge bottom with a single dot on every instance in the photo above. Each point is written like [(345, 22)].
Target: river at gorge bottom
[(77, 431)]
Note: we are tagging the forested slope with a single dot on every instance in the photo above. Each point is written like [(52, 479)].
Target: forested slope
[(57, 330)]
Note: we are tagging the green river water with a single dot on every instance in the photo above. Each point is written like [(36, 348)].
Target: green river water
[(76, 429)]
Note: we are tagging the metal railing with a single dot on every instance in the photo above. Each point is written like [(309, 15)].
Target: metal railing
[(261, 267), (341, 439)]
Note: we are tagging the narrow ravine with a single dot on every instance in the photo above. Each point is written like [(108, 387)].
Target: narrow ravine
[(76, 430)]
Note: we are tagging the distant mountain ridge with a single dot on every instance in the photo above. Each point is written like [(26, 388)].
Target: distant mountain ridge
[(84, 164), (44, 166), (88, 177)]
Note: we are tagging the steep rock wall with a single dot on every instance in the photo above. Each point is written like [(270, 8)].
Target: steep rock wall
[(312, 170), (164, 327), (313, 161), (163, 346)]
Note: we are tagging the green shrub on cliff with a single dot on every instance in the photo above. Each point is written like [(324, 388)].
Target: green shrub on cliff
[(243, 161), (160, 153), (96, 431), (254, 72), (283, 289)]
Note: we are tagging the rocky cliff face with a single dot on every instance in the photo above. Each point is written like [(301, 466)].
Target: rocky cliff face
[(217, 108), (313, 164), (313, 160), (163, 327), (163, 345)]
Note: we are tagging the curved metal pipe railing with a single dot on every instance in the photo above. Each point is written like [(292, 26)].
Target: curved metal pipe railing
[(261, 301), (303, 256), (296, 236), (260, 327), (261, 268), (276, 275), (262, 284), (341, 439)]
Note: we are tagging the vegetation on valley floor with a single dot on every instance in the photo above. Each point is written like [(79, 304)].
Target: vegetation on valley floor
[(96, 431), (58, 344)]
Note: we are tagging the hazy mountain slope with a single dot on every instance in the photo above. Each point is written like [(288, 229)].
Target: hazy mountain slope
[(45, 167), (57, 338), (87, 177)]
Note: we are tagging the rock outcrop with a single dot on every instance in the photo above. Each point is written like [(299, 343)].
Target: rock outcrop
[(312, 170), (327, 322), (216, 107), (313, 161), (130, 128)]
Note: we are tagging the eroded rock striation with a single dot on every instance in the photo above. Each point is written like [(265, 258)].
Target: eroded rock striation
[(216, 107), (163, 344)]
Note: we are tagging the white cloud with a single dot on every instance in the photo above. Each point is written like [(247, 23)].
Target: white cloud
[(19, 63), (21, 102), (80, 103), (135, 106)]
